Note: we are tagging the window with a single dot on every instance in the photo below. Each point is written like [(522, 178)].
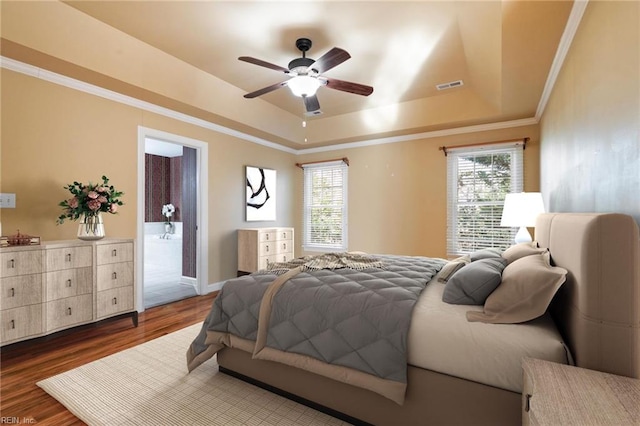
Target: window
[(325, 206), (477, 183)]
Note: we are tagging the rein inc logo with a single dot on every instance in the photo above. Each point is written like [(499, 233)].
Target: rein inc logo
[(4, 420)]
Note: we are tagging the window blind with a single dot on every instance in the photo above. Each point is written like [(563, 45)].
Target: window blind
[(325, 206), (478, 180)]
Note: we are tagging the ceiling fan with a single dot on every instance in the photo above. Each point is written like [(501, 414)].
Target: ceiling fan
[(306, 76)]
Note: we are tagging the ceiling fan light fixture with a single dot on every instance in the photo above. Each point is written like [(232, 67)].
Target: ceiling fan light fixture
[(303, 85)]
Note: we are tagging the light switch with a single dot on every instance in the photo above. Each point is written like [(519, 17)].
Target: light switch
[(7, 201)]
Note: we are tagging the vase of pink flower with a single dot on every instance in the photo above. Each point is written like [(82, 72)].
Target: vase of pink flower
[(87, 204), (91, 227)]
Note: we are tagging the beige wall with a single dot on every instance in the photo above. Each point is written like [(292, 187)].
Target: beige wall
[(398, 192), (53, 135), (590, 157)]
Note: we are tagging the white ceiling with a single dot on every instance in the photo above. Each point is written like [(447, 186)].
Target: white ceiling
[(502, 50)]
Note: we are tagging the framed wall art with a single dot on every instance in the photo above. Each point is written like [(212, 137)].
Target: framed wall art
[(261, 194)]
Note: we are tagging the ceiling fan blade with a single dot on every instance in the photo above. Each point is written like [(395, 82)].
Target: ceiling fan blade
[(263, 63), (347, 86), (332, 58), (266, 90), (311, 103)]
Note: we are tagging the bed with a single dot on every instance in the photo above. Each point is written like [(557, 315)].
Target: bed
[(593, 321)]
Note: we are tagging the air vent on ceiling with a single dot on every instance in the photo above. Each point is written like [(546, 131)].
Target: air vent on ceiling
[(449, 85)]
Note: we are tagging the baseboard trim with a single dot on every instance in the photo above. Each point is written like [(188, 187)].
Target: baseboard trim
[(214, 286), (193, 282)]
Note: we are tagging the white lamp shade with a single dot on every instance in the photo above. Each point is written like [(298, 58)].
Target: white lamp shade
[(303, 85), (522, 209)]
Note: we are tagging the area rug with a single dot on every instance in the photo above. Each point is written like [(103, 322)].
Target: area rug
[(149, 385)]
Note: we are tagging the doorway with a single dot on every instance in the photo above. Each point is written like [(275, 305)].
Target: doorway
[(170, 214)]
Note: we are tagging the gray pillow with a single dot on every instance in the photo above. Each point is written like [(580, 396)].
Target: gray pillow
[(488, 253), (472, 284)]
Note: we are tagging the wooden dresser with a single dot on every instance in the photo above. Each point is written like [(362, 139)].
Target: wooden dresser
[(61, 284), (257, 247)]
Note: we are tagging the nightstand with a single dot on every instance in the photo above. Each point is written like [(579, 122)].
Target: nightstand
[(557, 394)]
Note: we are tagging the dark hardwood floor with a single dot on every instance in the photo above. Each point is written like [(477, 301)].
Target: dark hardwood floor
[(24, 364)]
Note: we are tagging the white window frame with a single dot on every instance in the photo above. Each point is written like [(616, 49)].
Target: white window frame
[(308, 241), (455, 244)]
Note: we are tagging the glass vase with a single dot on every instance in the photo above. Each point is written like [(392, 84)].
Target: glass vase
[(91, 227)]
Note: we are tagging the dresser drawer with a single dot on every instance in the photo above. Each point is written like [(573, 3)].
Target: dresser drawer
[(267, 249), (21, 322), (115, 275), (68, 282), (284, 234), (21, 263), (284, 246), (276, 247), (267, 235), (114, 253), (527, 396), (114, 301), (264, 261), (559, 394), (63, 313), (21, 291), (68, 258)]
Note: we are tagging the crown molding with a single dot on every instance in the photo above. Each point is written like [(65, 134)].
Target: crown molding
[(82, 86), (424, 135), (570, 30)]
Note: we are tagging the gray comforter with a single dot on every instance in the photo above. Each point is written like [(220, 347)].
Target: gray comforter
[(353, 318)]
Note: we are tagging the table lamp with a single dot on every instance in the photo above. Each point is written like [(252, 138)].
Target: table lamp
[(521, 210)]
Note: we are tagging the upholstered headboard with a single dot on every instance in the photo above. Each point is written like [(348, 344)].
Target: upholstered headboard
[(598, 307)]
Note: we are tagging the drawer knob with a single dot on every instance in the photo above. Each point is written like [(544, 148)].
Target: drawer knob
[(267, 249), (115, 300), (69, 311), (69, 282), (13, 324), (13, 292), (114, 253), (527, 402), (114, 276), (68, 257), (284, 235), (12, 263), (284, 246), (267, 235)]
